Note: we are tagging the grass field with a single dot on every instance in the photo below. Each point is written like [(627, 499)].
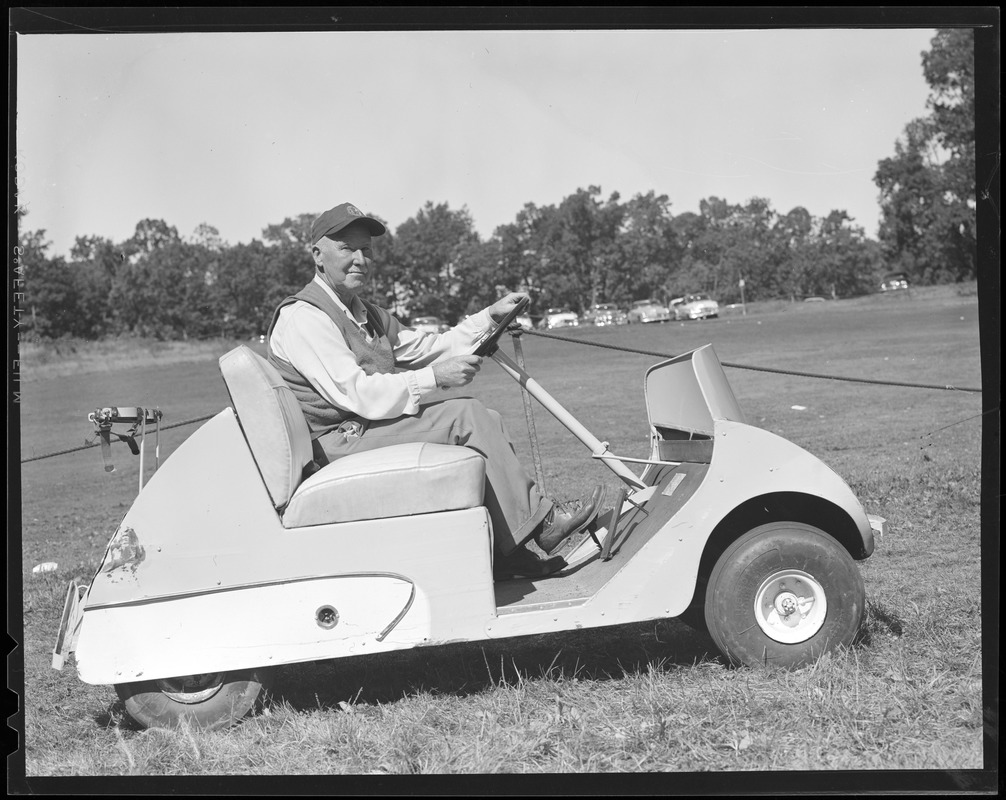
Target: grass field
[(645, 698)]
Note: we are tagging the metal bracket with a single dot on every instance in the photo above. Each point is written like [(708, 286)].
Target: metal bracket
[(616, 512), (104, 418), (69, 625)]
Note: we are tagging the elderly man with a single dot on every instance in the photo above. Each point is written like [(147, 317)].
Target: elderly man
[(365, 381)]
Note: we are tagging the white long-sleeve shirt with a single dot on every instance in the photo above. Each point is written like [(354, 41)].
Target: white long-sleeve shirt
[(306, 337)]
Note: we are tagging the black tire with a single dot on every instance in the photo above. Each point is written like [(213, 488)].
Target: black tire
[(782, 595), (210, 701)]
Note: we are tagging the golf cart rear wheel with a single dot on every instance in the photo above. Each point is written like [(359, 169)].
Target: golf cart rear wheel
[(209, 700), (782, 595)]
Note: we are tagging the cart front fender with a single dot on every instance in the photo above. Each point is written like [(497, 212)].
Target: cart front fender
[(750, 462), (748, 465)]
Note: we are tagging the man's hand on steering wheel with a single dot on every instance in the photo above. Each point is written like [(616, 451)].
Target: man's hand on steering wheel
[(509, 307), (502, 307)]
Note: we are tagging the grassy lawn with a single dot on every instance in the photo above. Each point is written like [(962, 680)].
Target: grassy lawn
[(653, 697)]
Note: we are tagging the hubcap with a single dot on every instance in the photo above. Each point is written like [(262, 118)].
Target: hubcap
[(192, 688), (790, 606)]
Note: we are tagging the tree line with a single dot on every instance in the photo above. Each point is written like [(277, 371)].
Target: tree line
[(586, 249)]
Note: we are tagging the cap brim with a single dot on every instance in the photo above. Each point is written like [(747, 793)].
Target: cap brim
[(376, 228)]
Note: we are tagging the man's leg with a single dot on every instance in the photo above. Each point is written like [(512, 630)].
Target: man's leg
[(515, 505)]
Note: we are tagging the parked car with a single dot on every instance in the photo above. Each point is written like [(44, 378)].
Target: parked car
[(695, 306), (559, 318), (814, 300), (430, 325), (604, 314), (525, 322), (648, 311), (894, 281)]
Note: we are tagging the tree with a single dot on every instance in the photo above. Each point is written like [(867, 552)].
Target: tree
[(151, 234), (927, 189), (160, 287), (753, 252), (208, 236), (795, 245), (95, 262), (293, 232), (726, 243), (243, 292), (481, 279), (162, 294), (845, 262), (426, 258), (950, 72), (521, 261), (289, 264), (923, 229), (50, 295), (649, 250), (576, 252)]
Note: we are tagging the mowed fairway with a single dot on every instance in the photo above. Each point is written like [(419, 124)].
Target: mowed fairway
[(648, 697)]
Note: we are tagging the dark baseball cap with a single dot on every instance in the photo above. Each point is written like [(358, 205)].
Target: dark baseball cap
[(335, 219)]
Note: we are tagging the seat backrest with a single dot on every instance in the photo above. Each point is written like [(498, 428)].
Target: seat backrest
[(272, 421)]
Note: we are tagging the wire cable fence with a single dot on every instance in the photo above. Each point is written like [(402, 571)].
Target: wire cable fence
[(778, 371), (89, 445), (620, 348)]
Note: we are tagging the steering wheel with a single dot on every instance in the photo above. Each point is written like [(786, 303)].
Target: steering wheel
[(490, 344)]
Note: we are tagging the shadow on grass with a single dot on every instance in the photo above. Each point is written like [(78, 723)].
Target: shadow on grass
[(879, 621), (115, 716), (600, 654), (471, 668)]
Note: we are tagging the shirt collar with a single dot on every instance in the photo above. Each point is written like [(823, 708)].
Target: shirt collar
[(356, 311)]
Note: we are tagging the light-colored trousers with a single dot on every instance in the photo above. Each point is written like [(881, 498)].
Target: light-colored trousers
[(515, 505)]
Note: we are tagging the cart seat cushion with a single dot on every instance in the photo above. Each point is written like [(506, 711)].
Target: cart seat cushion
[(395, 481), (272, 421)]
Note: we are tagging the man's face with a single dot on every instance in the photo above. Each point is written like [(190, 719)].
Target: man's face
[(345, 258)]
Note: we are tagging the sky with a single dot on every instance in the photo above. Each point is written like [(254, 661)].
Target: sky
[(241, 130)]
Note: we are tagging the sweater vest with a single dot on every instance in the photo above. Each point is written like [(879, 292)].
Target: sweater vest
[(373, 356)]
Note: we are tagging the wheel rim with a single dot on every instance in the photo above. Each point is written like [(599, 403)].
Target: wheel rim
[(192, 688), (790, 606)]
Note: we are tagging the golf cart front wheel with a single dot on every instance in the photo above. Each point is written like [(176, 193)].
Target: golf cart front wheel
[(783, 594), (209, 700)]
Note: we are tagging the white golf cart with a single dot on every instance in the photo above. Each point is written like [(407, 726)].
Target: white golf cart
[(237, 558)]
